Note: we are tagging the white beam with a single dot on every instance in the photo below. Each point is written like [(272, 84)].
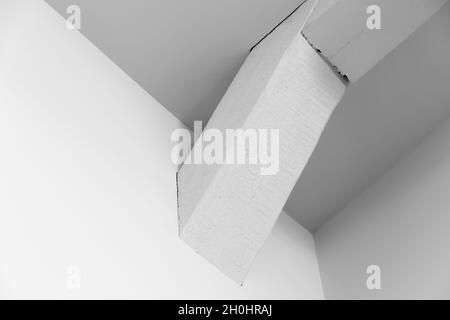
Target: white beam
[(227, 211), (338, 28)]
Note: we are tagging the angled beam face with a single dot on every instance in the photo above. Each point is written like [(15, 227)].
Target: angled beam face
[(227, 211), (354, 35)]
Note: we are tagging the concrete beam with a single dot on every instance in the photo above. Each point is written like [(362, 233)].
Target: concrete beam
[(226, 211)]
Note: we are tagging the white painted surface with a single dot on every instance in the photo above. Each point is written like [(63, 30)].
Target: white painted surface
[(342, 34), (87, 180), (401, 224), (184, 53), (228, 211)]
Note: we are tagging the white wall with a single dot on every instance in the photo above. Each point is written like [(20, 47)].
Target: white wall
[(402, 224), (86, 180)]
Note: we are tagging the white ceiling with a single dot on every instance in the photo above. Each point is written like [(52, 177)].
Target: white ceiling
[(185, 54)]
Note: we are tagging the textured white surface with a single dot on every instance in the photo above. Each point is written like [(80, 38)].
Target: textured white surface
[(227, 211), (87, 180)]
